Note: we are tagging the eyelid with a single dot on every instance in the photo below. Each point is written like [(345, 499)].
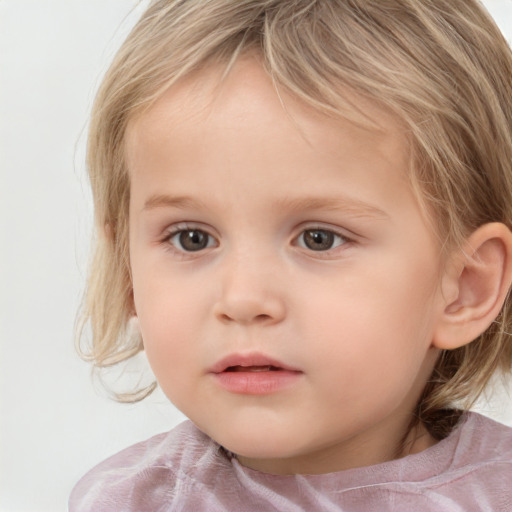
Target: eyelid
[(342, 232), (188, 226)]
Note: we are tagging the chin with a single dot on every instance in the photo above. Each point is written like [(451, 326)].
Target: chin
[(262, 444), (256, 442)]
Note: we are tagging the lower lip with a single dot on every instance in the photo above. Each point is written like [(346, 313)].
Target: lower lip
[(257, 383)]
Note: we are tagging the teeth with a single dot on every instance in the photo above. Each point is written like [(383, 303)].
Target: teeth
[(260, 368)]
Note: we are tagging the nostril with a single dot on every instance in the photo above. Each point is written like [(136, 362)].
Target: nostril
[(262, 318)]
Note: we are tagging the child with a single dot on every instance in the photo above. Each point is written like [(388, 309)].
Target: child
[(305, 207)]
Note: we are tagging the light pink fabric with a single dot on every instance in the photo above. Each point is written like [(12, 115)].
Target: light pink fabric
[(184, 470)]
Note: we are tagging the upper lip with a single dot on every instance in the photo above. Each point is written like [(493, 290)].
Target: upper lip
[(249, 359)]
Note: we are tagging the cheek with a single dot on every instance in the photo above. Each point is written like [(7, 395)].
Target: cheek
[(171, 350), (376, 322), (159, 297), (372, 359), (167, 318)]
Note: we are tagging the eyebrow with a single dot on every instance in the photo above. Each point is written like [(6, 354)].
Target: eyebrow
[(167, 201), (348, 205), (352, 206)]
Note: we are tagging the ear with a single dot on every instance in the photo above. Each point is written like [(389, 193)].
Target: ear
[(475, 286)]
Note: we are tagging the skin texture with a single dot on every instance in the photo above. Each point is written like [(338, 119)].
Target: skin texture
[(357, 320)]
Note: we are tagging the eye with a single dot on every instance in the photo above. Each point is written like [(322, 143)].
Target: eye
[(191, 240), (320, 239)]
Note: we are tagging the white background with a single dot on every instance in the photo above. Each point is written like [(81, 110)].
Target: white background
[(54, 424)]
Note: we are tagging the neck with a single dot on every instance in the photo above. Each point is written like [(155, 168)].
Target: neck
[(365, 450)]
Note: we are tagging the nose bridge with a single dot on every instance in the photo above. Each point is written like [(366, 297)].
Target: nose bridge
[(250, 290)]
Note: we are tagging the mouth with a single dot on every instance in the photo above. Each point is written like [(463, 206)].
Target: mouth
[(254, 374), (241, 368), (251, 362)]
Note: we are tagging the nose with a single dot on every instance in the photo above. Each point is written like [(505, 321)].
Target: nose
[(251, 293)]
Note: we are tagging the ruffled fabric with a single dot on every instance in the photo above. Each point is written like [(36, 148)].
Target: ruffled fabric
[(184, 470)]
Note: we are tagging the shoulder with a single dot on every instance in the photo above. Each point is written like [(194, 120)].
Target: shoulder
[(479, 475), (146, 473), (483, 440)]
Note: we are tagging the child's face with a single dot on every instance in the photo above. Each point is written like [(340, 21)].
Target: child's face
[(288, 239)]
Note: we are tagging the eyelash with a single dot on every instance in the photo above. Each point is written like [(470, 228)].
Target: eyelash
[(338, 238)]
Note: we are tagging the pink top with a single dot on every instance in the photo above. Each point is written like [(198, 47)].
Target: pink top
[(470, 470)]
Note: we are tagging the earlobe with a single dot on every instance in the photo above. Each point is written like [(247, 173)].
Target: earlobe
[(476, 286)]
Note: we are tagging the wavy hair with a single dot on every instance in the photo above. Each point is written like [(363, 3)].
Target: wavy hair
[(443, 69)]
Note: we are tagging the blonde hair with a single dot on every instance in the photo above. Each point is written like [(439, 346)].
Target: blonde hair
[(441, 67)]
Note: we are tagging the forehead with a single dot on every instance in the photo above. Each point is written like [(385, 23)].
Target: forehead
[(247, 95)]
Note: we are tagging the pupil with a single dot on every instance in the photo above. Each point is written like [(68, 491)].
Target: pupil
[(318, 240), (193, 240)]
